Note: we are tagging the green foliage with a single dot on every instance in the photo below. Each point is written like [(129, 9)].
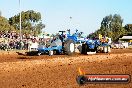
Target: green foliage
[(4, 25), (30, 21), (111, 26), (128, 28)]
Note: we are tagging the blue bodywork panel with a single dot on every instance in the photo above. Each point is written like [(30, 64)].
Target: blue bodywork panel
[(92, 44), (46, 50)]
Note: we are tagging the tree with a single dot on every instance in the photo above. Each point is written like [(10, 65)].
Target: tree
[(116, 26), (111, 23), (38, 27), (111, 26), (31, 22), (4, 25), (128, 28)]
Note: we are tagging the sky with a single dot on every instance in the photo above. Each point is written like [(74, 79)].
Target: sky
[(84, 15)]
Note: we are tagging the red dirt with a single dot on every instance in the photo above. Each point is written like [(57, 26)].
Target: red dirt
[(60, 71)]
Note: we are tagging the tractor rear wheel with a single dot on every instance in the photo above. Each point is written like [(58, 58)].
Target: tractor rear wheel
[(54, 52), (108, 49), (105, 50), (69, 47), (84, 49)]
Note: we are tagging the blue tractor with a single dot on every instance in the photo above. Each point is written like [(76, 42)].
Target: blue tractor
[(64, 44), (60, 45), (95, 45), (90, 46)]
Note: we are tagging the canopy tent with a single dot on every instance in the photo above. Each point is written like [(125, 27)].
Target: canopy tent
[(126, 38)]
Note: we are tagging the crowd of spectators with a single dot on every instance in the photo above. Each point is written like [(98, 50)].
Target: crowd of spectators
[(12, 41)]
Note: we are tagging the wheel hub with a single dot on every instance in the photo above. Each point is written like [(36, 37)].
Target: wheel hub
[(71, 47)]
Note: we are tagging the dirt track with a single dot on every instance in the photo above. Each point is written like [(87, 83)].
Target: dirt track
[(18, 71)]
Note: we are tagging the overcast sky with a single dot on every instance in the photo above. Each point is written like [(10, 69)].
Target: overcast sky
[(86, 14)]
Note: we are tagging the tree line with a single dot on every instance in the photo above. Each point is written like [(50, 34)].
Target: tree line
[(31, 23), (111, 26)]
